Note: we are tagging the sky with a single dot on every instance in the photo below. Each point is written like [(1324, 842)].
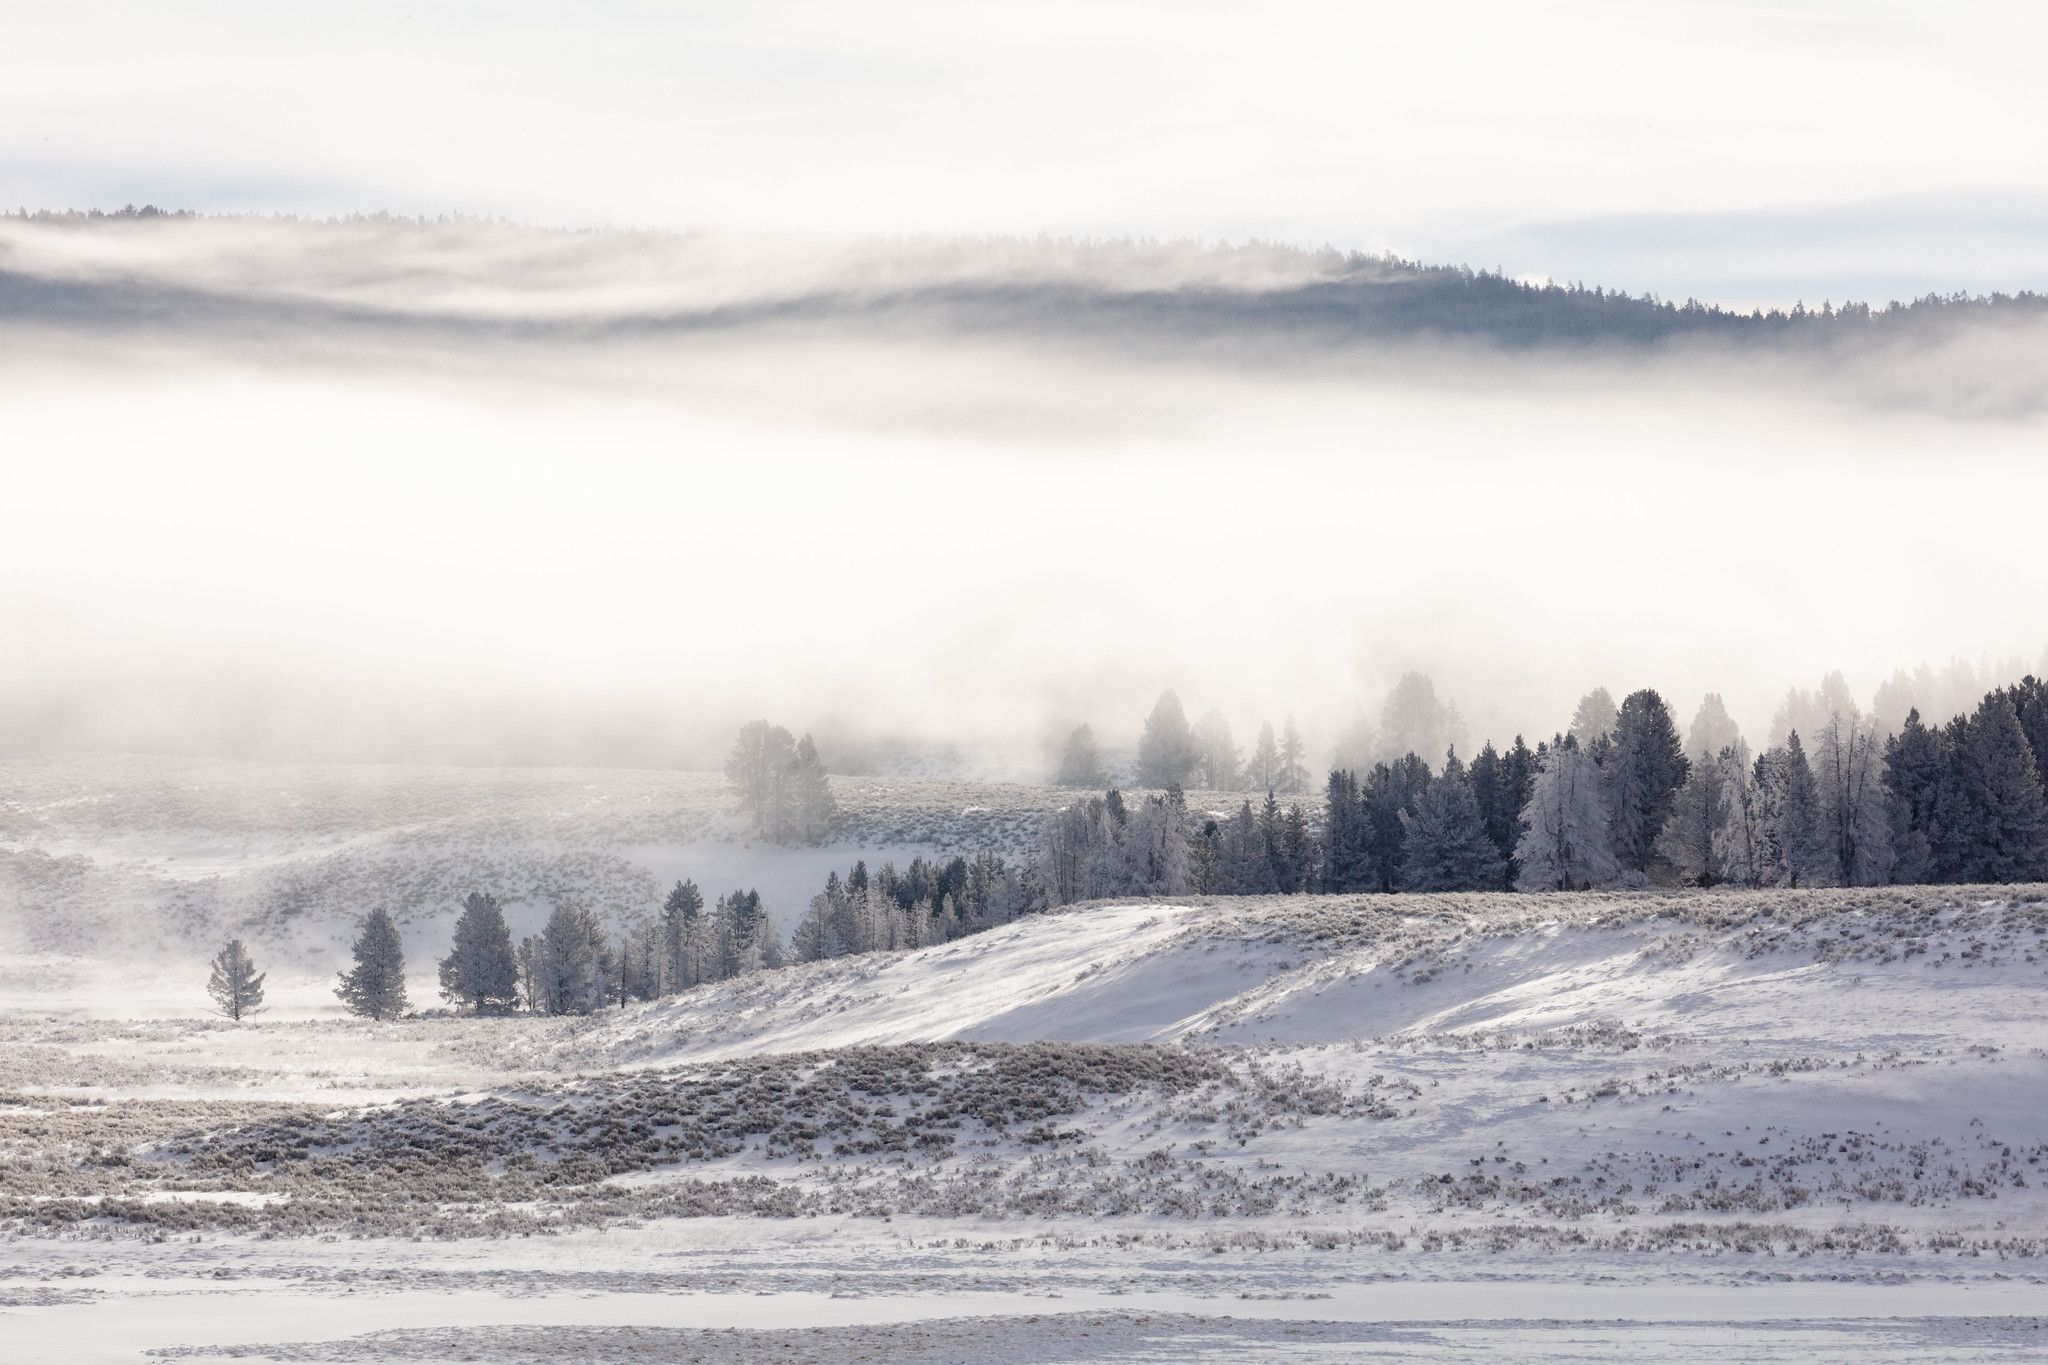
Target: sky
[(1746, 153), (434, 551)]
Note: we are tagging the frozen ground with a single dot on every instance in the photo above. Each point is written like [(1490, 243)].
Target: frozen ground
[(1701, 1127)]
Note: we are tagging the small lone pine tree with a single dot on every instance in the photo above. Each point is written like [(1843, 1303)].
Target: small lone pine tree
[(481, 973), (235, 985), (376, 988)]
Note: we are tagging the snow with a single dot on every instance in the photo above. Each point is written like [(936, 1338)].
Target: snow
[(1661, 1126)]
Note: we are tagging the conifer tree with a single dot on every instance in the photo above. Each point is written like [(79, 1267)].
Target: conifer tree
[(2001, 791), (1916, 770), (1742, 846), (814, 809), (481, 973), (760, 768), (1263, 772), (375, 986), (1447, 846), (1796, 830), (1712, 730), (1564, 827), (1693, 840), (1347, 862), (1642, 778), (235, 985), (682, 937), (1293, 769), (1217, 752), (1166, 749), (577, 960), (1594, 717), (1081, 761)]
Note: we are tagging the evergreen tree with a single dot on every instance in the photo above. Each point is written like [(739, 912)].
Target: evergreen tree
[(1694, 838), (1347, 864), (1081, 761), (682, 938), (375, 987), (1447, 846), (1166, 750), (481, 973), (1594, 717), (1263, 772), (1564, 827), (2002, 797), (576, 964), (1389, 792), (1156, 847), (1217, 752), (760, 768), (1712, 730), (234, 984), (1796, 831), (2029, 698), (1916, 772), (1500, 784), (1743, 847), (1293, 769), (1642, 778), (814, 808)]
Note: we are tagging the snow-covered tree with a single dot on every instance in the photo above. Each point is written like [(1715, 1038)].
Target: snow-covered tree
[(481, 973), (1793, 802), (1852, 825), (1595, 716), (1564, 841), (1155, 848), (759, 769), (235, 985), (375, 986), (1742, 845), (813, 809), (684, 941), (1641, 778), (1293, 767), (1447, 846), (1217, 752), (2007, 819), (1263, 772), (1166, 750), (1081, 761), (1694, 840), (1712, 730), (576, 966)]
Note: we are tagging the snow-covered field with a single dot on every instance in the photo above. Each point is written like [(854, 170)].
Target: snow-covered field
[(1699, 1127)]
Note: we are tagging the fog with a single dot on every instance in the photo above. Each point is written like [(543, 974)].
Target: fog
[(477, 493)]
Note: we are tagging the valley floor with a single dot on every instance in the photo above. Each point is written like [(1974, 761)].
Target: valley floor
[(1704, 1127)]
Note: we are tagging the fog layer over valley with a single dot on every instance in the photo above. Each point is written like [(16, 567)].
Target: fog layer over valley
[(386, 490)]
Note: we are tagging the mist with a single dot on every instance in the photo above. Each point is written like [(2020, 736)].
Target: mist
[(470, 492)]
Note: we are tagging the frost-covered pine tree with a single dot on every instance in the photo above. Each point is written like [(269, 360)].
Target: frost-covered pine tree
[(1155, 847), (578, 962), (1693, 840), (1918, 768), (817, 935), (1293, 767), (814, 809), (235, 984), (1166, 750), (1081, 761), (1217, 751), (1795, 802), (1263, 772), (1712, 730), (1642, 778), (1594, 717), (375, 986), (1447, 846), (2002, 797), (759, 768), (1564, 827), (1742, 845), (480, 973), (682, 938)]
